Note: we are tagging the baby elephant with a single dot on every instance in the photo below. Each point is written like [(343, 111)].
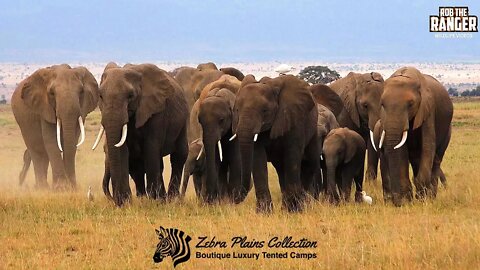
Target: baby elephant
[(344, 154)]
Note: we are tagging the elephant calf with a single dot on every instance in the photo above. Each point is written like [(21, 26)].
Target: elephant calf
[(344, 154)]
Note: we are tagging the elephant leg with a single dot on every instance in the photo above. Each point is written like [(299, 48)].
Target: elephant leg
[(293, 197), (260, 180), (54, 155), (311, 168), (40, 167), (154, 169), (197, 183), (439, 157), (346, 182), (358, 179), (177, 160), (278, 165), (138, 176), (372, 162), (223, 187), (27, 159)]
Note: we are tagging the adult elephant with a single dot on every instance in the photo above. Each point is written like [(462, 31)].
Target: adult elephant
[(50, 106), (416, 127), (361, 94), (142, 104), (223, 175), (275, 120), (193, 80)]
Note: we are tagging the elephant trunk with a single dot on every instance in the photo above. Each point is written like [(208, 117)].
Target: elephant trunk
[(246, 157), (70, 131), (397, 159), (118, 161), (210, 191)]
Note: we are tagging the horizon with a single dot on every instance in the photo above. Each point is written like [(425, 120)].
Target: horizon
[(237, 31)]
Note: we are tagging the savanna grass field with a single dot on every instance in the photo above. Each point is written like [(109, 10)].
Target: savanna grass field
[(63, 230)]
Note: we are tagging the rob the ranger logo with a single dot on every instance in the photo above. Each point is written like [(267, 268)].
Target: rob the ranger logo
[(453, 19)]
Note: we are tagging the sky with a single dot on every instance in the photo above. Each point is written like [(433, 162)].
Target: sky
[(228, 30)]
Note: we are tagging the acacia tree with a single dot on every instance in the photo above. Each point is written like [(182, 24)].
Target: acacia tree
[(318, 74)]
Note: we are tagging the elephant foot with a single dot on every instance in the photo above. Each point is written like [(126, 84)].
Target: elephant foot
[(294, 204), (122, 199), (371, 175), (264, 207), (358, 197), (397, 199), (41, 186)]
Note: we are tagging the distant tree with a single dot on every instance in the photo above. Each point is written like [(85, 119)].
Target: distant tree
[(453, 92), (318, 74), (3, 100), (466, 93)]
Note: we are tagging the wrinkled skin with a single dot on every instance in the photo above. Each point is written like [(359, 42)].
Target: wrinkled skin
[(344, 153), (223, 177), (418, 105), (57, 92), (154, 109), (361, 94), (283, 114)]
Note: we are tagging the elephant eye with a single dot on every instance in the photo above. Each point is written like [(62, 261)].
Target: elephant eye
[(365, 105), (100, 96)]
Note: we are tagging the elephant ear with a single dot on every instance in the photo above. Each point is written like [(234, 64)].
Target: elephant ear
[(90, 90), (294, 103), (156, 87), (349, 98), (33, 91), (376, 76), (325, 96), (426, 106)]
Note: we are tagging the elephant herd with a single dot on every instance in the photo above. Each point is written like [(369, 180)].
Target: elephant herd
[(222, 128)]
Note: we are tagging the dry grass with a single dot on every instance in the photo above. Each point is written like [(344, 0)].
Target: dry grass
[(40, 229)]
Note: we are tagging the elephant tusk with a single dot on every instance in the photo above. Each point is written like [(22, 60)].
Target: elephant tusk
[(82, 131), (59, 140), (220, 151), (255, 137), (124, 136), (99, 137), (404, 139), (373, 142), (381, 139), (233, 137), (200, 153), (321, 156)]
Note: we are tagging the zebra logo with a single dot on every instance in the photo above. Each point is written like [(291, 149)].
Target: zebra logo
[(174, 243)]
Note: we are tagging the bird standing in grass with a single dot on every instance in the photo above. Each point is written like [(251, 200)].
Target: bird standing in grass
[(366, 198), (90, 194)]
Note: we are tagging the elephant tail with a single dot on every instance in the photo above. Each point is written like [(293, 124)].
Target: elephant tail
[(27, 159)]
